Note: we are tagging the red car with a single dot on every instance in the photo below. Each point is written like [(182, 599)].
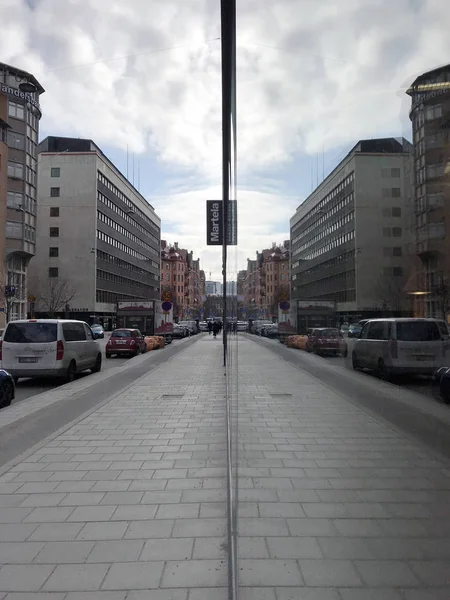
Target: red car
[(327, 340), (125, 342)]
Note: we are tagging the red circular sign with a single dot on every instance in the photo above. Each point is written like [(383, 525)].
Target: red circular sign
[(166, 306)]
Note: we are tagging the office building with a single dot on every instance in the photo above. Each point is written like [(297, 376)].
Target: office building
[(20, 114), (351, 238), (98, 239), (430, 117)]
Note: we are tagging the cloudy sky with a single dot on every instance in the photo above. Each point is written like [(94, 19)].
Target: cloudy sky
[(313, 78)]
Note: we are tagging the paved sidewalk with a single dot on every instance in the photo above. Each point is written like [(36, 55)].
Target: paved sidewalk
[(347, 508), (130, 502)]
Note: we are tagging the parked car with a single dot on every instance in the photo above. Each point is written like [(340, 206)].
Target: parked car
[(242, 326), (388, 346), (125, 342), (7, 388), (98, 331), (356, 328), (203, 325), (49, 348), (270, 331), (191, 325), (442, 377), (326, 340), (179, 331)]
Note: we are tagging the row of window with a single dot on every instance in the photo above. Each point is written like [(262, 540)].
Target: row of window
[(341, 258), (18, 230), (114, 260), (390, 173), (127, 201), (104, 237), (392, 232), (394, 192), (430, 201), (393, 271), (325, 232), (106, 297), (180, 277), (107, 202), (125, 232), (16, 200), (324, 217), (17, 171), (334, 243), (322, 205), (107, 276), (17, 111)]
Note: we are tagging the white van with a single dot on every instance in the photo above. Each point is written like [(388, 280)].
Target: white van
[(388, 346), (49, 348)]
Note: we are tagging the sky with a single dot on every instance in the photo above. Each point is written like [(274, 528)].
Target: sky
[(143, 77)]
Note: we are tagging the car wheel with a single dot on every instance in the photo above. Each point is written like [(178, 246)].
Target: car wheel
[(382, 371), (71, 372), (6, 394), (355, 362), (98, 364), (445, 390)]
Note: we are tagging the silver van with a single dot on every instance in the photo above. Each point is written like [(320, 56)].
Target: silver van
[(49, 348), (388, 346)]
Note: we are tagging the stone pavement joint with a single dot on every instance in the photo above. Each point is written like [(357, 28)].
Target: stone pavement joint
[(129, 503)]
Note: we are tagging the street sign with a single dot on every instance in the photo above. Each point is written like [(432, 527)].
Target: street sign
[(166, 306), (214, 223), (284, 296), (167, 296), (31, 298), (285, 305)]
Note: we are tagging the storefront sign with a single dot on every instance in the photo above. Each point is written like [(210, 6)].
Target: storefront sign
[(6, 89)]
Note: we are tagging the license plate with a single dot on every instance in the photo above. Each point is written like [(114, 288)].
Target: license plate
[(121, 342), (28, 359)]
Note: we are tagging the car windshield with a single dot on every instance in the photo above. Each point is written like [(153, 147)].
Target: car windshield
[(328, 333), (122, 333), (30, 333), (96, 327), (418, 331)]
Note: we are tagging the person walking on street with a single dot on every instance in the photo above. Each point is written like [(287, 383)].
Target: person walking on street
[(210, 327), (216, 328)]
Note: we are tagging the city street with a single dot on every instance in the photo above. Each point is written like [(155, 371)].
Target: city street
[(27, 388)]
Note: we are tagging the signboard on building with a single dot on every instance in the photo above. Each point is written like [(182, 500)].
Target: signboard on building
[(315, 305), (214, 223), (135, 305)]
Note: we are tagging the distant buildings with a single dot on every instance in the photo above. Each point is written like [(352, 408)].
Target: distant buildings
[(351, 238), (430, 117), (213, 288), (20, 114), (266, 281), (182, 277), (98, 239)]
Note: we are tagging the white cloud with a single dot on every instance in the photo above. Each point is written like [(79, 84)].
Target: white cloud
[(146, 74)]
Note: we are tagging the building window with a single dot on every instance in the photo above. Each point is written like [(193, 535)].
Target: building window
[(54, 192), (53, 251), (433, 112), (397, 251), (396, 192), (14, 199), (53, 272), (15, 110), (397, 271), (167, 277), (54, 231), (54, 211), (55, 172), (396, 211), (15, 170), (434, 170), (387, 232), (14, 229), (16, 141), (396, 232)]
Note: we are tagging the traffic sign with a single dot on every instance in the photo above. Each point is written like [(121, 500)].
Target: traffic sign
[(167, 296), (166, 306), (284, 296), (31, 298), (284, 305)]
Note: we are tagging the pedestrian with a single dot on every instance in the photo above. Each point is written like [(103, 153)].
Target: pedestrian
[(234, 327), (210, 327), (216, 328)]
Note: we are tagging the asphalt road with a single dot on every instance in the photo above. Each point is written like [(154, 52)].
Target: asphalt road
[(27, 388)]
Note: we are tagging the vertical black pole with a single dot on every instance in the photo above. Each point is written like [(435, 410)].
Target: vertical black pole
[(227, 79)]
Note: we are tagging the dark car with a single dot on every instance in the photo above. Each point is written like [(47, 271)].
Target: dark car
[(356, 328), (125, 342), (97, 331), (7, 388), (442, 377), (326, 340)]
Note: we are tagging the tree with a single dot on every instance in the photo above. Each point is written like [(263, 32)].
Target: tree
[(55, 295), (390, 291)]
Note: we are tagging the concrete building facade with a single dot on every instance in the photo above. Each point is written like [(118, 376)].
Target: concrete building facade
[(98, 239), (430, 117), (20, 114), (351, 238)]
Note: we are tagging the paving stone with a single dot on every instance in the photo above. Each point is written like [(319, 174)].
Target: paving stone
[(269, 572), (208, 594), (294, 547), (199, 528), (195, 573), (64, 552), (102, 531), (158, 595), (308, 594), (92, 513), (373, 594), (178, 511), (55, 514), (150, 529), (431, 573), (263, 527), (18, 552), (15, 532), (24, 578), (133, 512), (168, 549), (119, 551), (331, 573), (76, 578), (53, 532), (133, 576)]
